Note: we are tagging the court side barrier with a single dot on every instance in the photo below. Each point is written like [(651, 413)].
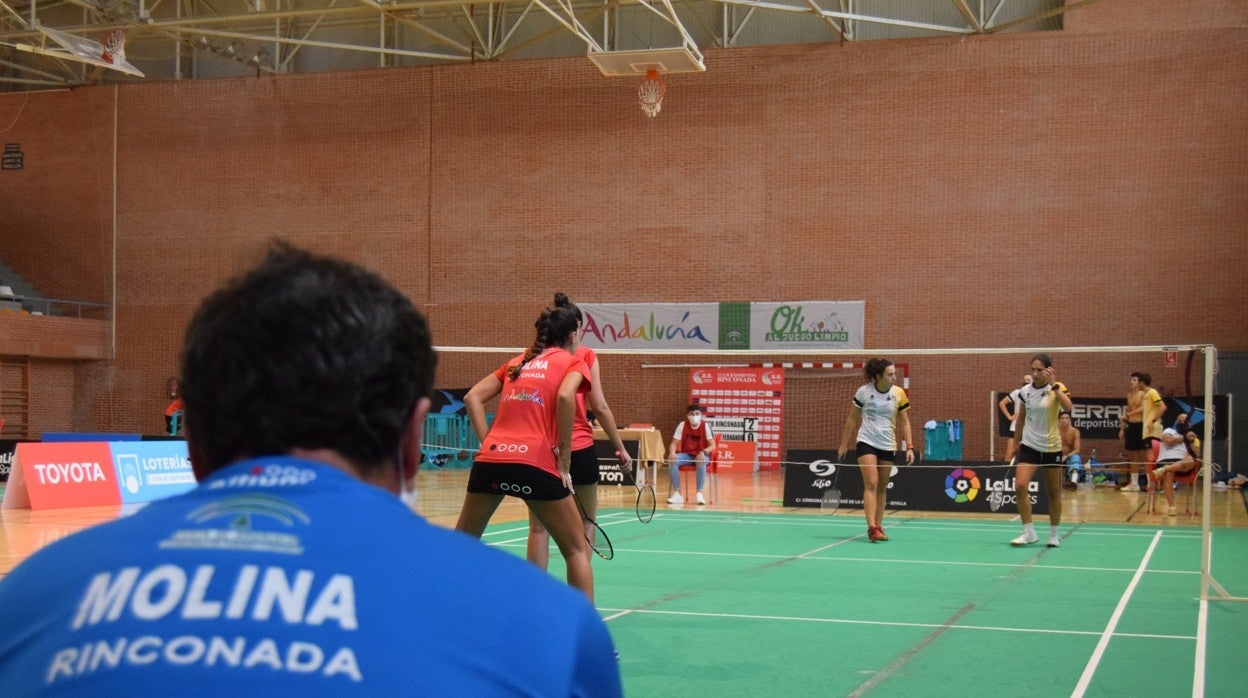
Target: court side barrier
[(450, 441), (57, 475)]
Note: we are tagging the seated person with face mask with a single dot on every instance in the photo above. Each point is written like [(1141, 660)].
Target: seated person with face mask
[(692, 443)]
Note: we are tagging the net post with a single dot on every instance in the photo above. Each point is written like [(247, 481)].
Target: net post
[(1207, 581), (992, 420)]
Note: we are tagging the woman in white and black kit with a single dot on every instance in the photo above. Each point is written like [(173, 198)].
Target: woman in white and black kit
[(1040, 446), (879, 416)]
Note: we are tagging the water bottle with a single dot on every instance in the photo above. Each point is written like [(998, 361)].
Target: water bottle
[(1092, 466)]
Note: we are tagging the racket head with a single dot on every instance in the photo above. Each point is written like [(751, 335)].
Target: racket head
[(600, 542), (647, 503), (996, 498), (831, 500)]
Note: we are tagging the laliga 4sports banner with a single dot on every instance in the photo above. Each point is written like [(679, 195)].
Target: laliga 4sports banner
[(78, 474), (954, 486)]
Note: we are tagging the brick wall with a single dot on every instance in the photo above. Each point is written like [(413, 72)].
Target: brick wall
[(1084, 187)]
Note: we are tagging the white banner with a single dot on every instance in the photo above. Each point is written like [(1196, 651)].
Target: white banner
[(651, 325), (807, 325)]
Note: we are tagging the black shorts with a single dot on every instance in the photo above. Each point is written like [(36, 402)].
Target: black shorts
[(1133, 437), (1191, 465), (516, 479), (865, 449), (585, 467), (1027, 454)]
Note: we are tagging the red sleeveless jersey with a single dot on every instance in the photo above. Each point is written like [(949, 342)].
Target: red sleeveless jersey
[(525, 429)]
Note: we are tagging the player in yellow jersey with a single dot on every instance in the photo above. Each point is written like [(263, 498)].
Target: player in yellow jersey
[(1142, 432)]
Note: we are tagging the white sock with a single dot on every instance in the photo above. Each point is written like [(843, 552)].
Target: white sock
[(1053, 531), (1030, 528)]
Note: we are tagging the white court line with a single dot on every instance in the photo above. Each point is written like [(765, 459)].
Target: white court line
[(1202, 627), (1088, 671), (1202, 637), (509, 541), (872, 560), (620, 612), (847, 522)]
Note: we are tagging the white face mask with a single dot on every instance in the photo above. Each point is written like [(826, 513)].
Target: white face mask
[(406, 495), (695, 420)]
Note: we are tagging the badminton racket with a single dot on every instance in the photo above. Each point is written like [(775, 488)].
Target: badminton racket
[(996, 498), (831, 500), (605, 551), (646, 499)]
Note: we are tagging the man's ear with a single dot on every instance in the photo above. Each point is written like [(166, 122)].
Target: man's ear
[(199, 465), (412, 433)]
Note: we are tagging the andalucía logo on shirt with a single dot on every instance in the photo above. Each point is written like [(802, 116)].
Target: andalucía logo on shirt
[(524, 396), (239, 511)]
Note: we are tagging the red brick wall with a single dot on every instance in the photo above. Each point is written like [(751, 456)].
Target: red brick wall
[(1085, 187)]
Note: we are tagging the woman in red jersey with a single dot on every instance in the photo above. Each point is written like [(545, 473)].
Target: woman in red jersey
[(527, 452), (585, 475)]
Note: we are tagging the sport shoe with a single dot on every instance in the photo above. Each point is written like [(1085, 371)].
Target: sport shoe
[(676, 498), (1133, 487), (1055, 541), (700, 499), (1172, 511), (875, 534), (880, 535), (1027, 538), (1158, 474)]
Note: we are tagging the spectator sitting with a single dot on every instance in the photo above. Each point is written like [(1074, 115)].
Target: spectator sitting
[(692, 442), (1180, 455)]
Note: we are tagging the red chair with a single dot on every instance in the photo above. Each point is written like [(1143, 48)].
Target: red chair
[(1190, 478), (689, 477)]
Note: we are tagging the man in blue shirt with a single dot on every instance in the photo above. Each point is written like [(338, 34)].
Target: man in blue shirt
[(293, 569)]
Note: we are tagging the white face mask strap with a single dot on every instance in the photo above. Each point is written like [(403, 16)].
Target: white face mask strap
[(406, 495)]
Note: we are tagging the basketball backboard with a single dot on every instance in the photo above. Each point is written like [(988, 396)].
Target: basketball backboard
[(84, 50), (636, 62)]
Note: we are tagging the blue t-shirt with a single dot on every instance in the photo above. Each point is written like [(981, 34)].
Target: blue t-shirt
[(280, 576)]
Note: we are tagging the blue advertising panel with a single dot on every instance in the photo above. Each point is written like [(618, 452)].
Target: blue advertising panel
[(151, 470)]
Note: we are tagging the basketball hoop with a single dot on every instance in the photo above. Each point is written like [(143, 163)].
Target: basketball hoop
[(650, 92), (114, 47)]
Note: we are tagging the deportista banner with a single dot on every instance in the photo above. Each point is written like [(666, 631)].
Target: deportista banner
[(1099, 417), (820, 325), (960, 487)]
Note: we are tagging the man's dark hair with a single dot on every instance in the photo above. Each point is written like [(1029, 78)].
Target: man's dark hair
[(303, 352)]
